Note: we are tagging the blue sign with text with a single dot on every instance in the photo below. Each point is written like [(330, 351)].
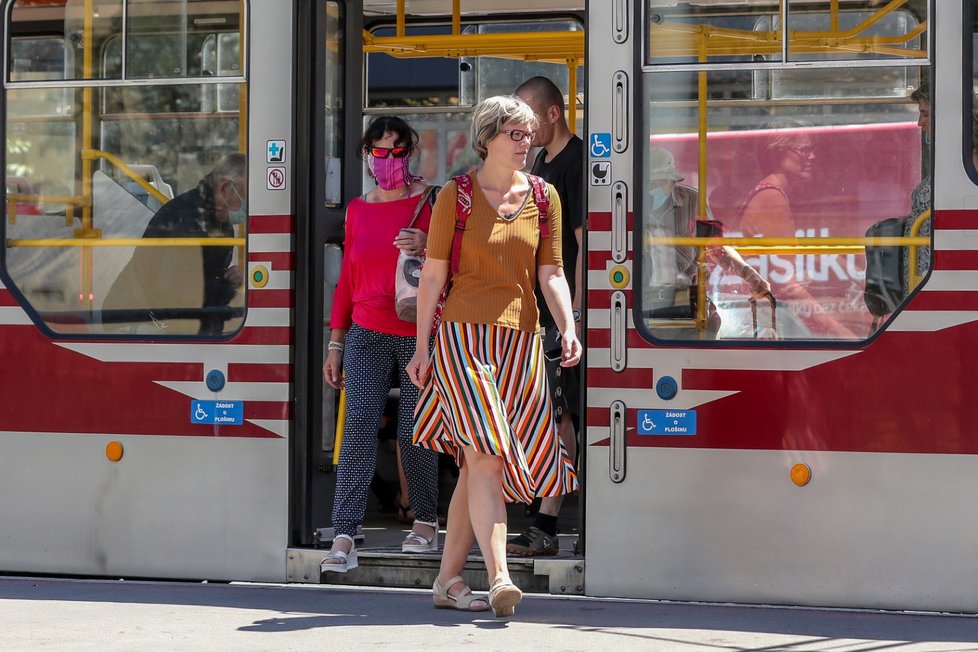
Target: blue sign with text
[(220, 413), (666, 422)]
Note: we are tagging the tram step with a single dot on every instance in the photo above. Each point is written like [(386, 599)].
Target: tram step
[(560, 575)]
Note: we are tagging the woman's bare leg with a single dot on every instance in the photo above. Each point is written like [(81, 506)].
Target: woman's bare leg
[(487, 510)]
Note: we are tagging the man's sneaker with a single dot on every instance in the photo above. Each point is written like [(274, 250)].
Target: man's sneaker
[(533, 542)]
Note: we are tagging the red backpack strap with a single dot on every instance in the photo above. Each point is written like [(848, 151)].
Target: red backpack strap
[(463, 206), (542, 200)]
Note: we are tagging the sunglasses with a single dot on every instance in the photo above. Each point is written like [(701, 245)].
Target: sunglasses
[(384, 152)]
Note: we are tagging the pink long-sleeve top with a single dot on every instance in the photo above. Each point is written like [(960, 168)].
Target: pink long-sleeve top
[(365, 291)]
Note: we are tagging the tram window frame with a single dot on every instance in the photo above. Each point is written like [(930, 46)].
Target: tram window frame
[(73, 87), (919, 67), (969, 113)]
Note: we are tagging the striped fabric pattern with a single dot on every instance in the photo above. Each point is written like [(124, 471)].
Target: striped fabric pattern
[(486, 388)]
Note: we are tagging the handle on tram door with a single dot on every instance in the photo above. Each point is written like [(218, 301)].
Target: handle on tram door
[(774, 314)]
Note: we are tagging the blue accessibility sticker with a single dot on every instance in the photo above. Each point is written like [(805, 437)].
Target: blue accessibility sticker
[(220, 413), (666, 422), (600, 145)]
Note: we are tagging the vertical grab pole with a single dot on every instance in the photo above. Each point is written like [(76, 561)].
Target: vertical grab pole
[(701, 188), (456, 17), (400, 18), (572, 93), (87, 261)]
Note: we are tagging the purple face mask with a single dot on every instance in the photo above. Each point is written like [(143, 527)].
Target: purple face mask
[(391, 173)]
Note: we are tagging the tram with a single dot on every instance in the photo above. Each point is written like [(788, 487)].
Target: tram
[(801, 452)]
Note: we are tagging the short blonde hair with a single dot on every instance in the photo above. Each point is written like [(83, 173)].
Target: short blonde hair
[(492, 113)]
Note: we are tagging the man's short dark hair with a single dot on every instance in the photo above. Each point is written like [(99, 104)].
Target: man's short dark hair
[(544, 90)]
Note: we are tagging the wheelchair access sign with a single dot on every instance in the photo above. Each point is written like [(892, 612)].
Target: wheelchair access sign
[(666, 422), (219, 413)]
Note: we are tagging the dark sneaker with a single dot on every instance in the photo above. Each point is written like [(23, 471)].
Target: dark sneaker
[(533, 542)]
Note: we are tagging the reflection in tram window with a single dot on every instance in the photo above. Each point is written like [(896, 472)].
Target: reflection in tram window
[(803, 152), (103, 160)]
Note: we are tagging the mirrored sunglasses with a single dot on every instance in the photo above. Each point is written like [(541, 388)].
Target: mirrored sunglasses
[(384, 152)]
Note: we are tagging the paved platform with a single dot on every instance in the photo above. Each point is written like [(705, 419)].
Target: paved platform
[(81, 615)]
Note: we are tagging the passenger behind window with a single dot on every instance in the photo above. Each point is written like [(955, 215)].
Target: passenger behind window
[(670, 281), (168, 289), (920, 198), (787, 161)]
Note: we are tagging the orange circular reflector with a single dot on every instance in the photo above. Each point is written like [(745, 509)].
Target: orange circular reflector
[(113, 451), (801, 474)]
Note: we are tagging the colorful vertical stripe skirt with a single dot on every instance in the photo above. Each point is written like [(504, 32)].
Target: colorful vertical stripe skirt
[(486, 387)]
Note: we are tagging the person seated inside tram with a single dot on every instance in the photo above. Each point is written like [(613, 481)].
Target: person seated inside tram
[(160, 279), (672, 277), (920, 198)]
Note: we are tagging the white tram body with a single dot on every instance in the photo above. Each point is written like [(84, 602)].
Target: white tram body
[(829, 463)]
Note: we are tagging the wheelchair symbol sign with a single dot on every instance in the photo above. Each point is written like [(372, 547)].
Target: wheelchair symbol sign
[(666, 422), (600, 145)]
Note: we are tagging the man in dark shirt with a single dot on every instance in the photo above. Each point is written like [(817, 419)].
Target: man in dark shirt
[(561, 163), (158, 277)]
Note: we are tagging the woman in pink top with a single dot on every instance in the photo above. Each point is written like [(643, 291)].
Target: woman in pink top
[(369, 341)]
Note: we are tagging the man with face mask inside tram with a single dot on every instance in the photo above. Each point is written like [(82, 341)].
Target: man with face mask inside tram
[(670, 273), (160, 280)]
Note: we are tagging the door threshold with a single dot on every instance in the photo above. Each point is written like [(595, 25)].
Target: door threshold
[(561, 574)]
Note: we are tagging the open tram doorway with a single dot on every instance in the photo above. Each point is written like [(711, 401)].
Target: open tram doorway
[(353, 79)]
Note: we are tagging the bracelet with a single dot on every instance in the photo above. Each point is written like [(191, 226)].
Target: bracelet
[(335, 346)]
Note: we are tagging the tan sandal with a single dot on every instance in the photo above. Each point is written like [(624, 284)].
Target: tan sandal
[(503, 597), (463, 601)]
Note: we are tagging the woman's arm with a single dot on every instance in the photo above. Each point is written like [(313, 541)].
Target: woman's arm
[(556, 293), (434, 274)]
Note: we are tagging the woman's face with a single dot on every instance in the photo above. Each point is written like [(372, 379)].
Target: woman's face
[(923, 117), (798, 159), (507, 151)]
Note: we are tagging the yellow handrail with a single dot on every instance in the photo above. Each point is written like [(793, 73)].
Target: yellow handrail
[(129, 242)]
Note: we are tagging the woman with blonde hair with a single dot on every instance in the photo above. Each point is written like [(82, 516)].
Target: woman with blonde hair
[(484, 396)]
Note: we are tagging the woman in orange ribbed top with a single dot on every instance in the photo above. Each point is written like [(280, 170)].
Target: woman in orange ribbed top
[(484, 396)]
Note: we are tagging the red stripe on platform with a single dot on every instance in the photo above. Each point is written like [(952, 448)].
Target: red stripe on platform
[(956, 219), (246, 372), (271, 224), (955, 260), (279, 261), (270, 298)]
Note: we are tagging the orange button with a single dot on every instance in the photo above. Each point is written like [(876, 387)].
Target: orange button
[(801, 474), (113, 451)]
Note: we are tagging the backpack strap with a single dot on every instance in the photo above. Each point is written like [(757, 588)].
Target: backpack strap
[(542, 200), (463, 207)]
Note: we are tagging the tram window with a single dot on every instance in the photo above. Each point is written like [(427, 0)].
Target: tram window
[(159, 161), (971, 115), (823, 30), (780, 169)]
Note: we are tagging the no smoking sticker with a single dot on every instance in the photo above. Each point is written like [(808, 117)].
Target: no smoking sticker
[(275, 178)]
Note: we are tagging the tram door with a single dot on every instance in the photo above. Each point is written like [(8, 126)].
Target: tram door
[(745, 453), (435, 94)]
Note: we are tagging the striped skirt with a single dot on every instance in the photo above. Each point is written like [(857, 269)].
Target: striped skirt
[(486, 387)]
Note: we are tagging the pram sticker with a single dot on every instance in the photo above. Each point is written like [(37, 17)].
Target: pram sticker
[(666, 422)]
